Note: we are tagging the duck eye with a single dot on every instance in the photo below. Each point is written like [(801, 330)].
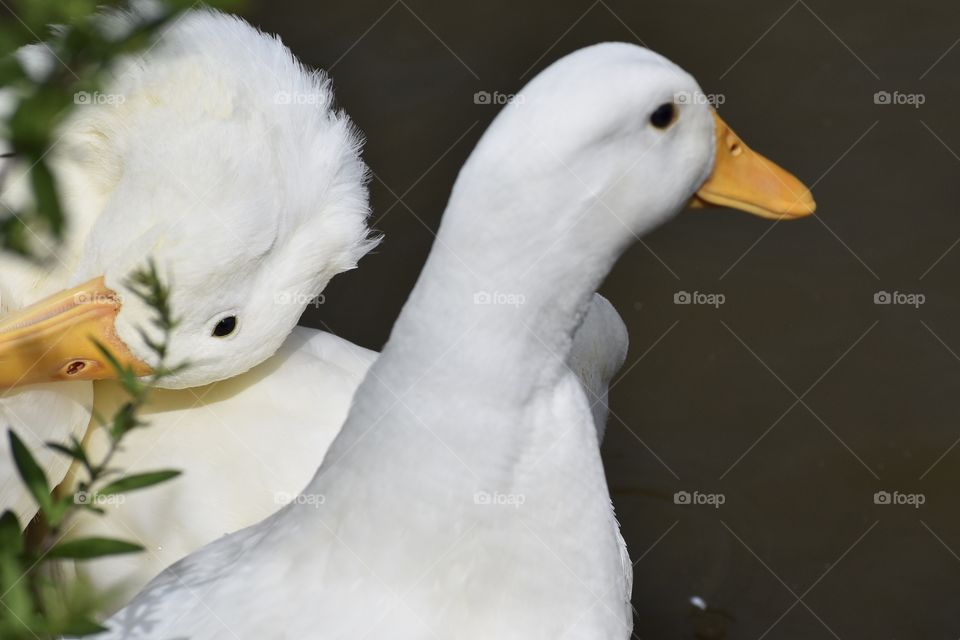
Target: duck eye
[(225, 327), (664, 116)]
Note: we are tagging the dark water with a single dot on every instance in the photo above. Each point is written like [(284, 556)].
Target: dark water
[(798, 398)]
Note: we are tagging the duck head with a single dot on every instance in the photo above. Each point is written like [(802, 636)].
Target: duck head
[(613, 139), (227, 165)]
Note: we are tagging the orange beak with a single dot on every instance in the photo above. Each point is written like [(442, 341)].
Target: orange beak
[(745, 180), (55, 339)]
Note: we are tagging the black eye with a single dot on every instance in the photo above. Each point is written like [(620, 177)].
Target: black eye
[(663, 116), (225, 327)]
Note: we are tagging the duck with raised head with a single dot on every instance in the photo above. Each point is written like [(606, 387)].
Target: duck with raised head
[(465, 495)]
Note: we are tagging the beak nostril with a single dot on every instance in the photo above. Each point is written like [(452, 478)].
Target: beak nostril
[(733, 144), (75, 367)]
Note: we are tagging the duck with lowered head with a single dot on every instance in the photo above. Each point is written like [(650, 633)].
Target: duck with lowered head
[(221, 158)]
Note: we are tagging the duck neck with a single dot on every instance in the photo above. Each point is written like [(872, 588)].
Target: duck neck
[(474, 361), (499, 299)]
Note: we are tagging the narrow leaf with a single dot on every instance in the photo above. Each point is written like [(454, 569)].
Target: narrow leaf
[(16, 597), (76, 454), (80, 626), (30, 471), (86, 548), (11, 540), (138, 481)]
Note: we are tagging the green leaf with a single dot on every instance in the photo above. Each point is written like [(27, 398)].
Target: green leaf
[(74, 452), (30, 472), (11, 539), (157, 347), (92, 508), (86, 548), (13, 232), (16, 597), (58, 509), (138, 481), (67, 451), (124, 420), (80, 626), (124, 374), (48, 200)]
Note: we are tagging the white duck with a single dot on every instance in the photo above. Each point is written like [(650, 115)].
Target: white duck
[(465, 495), (220, 156)]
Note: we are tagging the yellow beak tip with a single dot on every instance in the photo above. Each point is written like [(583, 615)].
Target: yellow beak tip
[(805, 206)]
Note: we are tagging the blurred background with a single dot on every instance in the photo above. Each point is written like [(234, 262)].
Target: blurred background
[(823, 420)]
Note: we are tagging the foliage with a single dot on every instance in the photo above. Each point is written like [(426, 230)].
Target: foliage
[(36, 601), (83, 49)]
